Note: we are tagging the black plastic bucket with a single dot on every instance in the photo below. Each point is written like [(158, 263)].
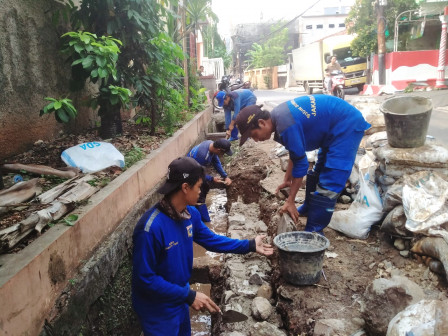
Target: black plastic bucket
[(407, 120), (301, 256)]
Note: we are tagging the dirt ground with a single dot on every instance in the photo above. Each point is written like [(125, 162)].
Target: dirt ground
[(134, 144), (350, 265)]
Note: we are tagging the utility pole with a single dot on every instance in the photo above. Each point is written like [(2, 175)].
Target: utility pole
[(184, 47), (381, 41), (442, 51)]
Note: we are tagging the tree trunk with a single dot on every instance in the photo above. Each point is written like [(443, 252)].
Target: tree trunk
[(110, 121)]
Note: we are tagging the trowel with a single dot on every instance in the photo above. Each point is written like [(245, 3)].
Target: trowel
[(232, 316)]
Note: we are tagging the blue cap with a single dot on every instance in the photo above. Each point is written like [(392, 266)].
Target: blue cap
[(220, 97)]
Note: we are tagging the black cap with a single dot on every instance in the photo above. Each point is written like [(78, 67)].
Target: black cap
[(246, 121), (224, 145), (180, 171)]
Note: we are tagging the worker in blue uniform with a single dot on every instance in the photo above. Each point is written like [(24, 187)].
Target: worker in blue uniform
[(307, 123), (206, 154), (234, 101), (163, 254)]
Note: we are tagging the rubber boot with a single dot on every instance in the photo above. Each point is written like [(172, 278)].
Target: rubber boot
[(311, 182), (320, 211), (202, 208), (234, 134)]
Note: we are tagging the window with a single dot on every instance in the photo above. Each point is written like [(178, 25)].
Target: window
[(319, 26), (331, 25), (342, 25), (309, 26)]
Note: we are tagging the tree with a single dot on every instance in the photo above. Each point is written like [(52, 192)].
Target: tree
[(199, 11), (214, 46), (148, 59), (272, 52), (362, 20)]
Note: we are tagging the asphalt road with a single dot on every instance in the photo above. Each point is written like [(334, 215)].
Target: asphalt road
[(438, 126)]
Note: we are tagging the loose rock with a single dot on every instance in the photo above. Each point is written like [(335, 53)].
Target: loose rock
[(261, 308)]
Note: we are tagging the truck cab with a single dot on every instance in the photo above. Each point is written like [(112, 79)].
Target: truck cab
[(354, 67)]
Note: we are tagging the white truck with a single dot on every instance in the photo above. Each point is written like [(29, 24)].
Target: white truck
[(309, 62)]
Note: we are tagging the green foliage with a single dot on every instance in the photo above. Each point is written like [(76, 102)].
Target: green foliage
[(133, 156), (63, 109), (198, 99), (270, 53), (150, 60), (160, 89), (70, 219), (116, 95), (98, 56), (268, 81), (102, 182), (363, 21), (95, 58)]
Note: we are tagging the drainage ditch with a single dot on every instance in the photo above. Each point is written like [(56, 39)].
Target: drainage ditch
[(252, 284)]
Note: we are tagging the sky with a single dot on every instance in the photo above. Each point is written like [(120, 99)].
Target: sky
[(233, 12)]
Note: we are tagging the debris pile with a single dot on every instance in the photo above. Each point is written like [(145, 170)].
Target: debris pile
[(247, 300)]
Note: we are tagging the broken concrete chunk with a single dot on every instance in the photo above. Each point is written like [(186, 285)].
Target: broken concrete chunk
[(384, 298), (399, 244), (265, 329), (237, 220), (284, 160), (261, 308), (417, 319), (255, 279), (286, 224), (330, 327), (260, 226), (234, 333), (265, 291), (228, 294)]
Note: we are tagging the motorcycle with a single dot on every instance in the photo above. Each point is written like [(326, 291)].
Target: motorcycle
[(225, 85), (337, 84)]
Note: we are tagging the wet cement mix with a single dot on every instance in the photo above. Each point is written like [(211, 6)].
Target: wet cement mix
[(336, 305)]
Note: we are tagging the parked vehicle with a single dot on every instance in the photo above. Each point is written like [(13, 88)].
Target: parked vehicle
[(225, 85), (310, 61), (337, 84)]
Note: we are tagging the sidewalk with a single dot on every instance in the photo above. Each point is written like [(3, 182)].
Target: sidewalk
[(439, 97)]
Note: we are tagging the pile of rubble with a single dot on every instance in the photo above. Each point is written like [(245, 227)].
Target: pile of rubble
[(247, 300)]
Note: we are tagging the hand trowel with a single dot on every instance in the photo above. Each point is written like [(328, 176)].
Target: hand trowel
[(232, 316)]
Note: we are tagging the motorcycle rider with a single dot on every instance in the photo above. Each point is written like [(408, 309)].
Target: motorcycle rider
[(234, 101), (332, 66)]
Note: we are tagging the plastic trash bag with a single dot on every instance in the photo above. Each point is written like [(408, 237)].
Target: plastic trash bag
[(366, 209), (91, 157), (425, 203), (418, 319)]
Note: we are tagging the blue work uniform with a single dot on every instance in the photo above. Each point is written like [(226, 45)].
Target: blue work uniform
[(322, 122), (201, 153), (162, 265), (239, 100)]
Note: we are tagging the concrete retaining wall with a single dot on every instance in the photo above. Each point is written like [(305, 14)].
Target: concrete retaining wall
[(32, 280)]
